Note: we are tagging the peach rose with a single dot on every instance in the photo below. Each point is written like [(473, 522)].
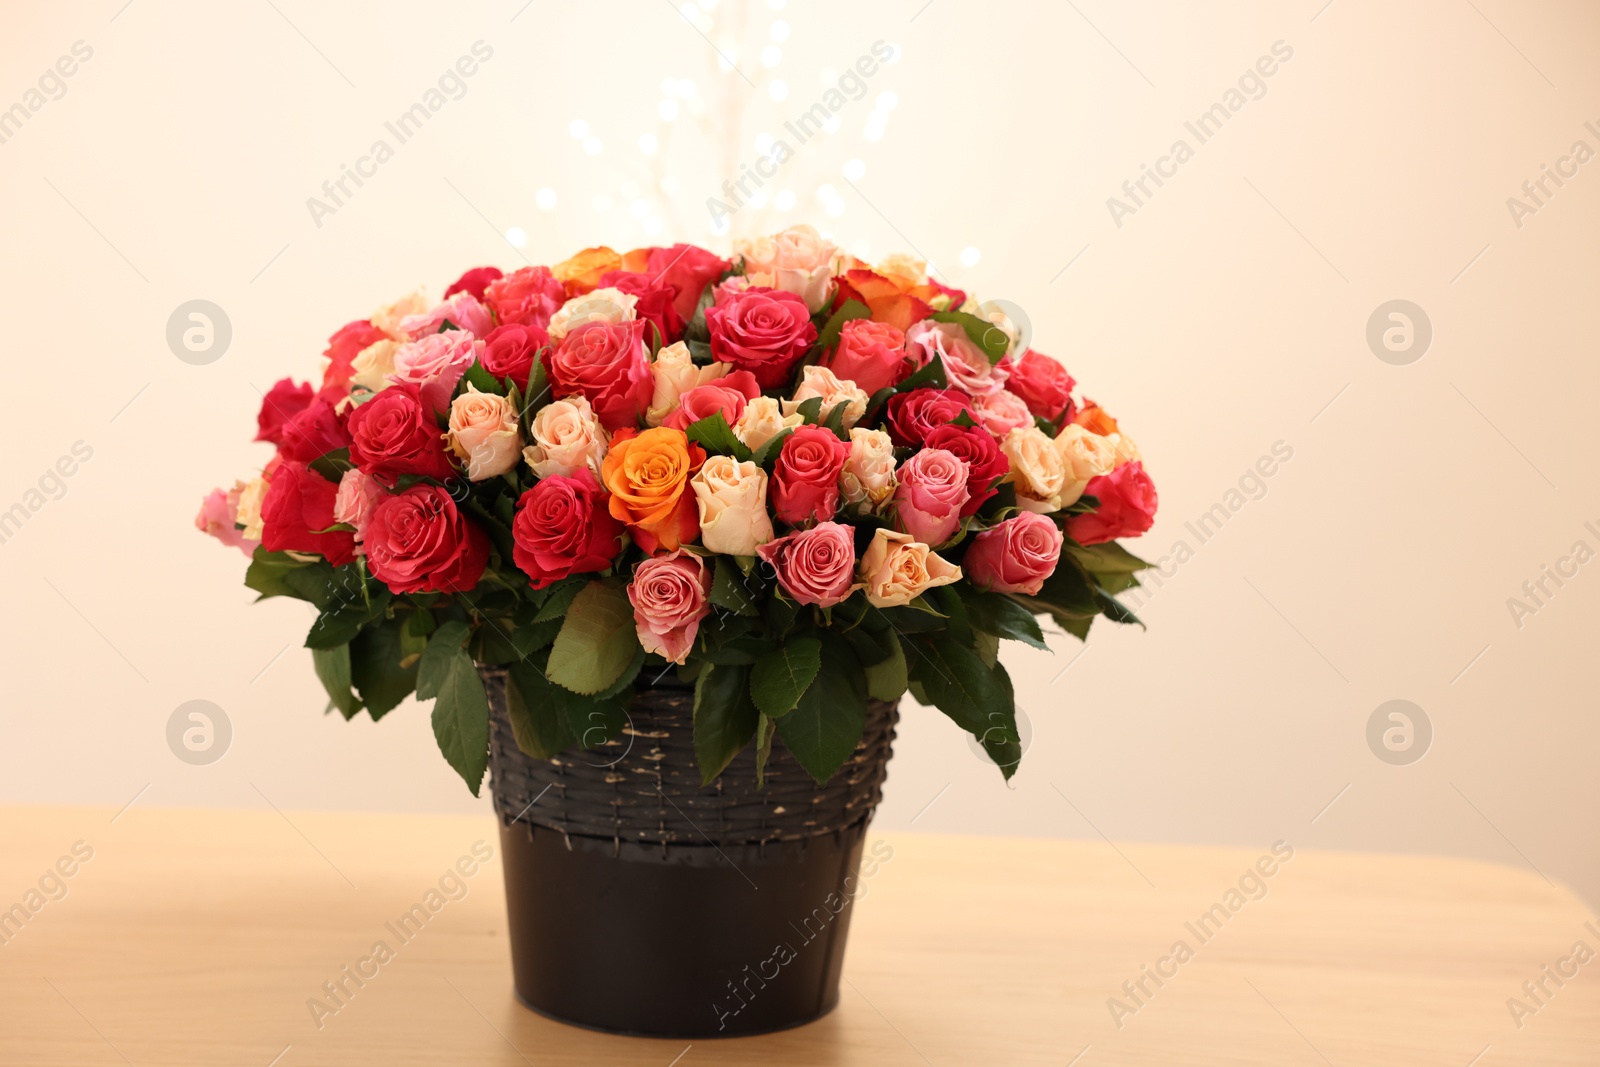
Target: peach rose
[(868, 480), (483, 431), (249, 513), (669, 594), (607, 305), (648, 475), (374, 364), (1084, 456), (732, 498), (896, 569), (906, 268), (762, 420), (388, 317), (566, 438), (1037, 469), (798, 261), (820, 381), (1124, 448), (582, 272), (675, 374)]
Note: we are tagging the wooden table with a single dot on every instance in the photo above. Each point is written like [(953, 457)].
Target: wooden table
[(198, 937)]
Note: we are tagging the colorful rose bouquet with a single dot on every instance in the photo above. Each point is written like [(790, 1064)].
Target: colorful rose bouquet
[(800, 480)]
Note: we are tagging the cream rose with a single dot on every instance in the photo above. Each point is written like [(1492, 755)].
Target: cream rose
[(1124, 448), (373, 365), (675, 374), (387, 318), (798, 261), (1084, 455), (732, 498), (896, 569), (820, 381), (598, 305), (249, 514), (566, 438), (483, 431), (761, 421), (868, 478), (1037, 469)]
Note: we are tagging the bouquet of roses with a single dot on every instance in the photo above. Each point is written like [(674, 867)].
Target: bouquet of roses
[(801, 481)]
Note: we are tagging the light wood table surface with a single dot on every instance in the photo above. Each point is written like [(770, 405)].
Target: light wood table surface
[(197, 938)]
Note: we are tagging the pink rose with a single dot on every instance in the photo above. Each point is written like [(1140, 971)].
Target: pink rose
[(986, 464), (871, 354), (607, 363), (688, 269), (219, 517), (1043, 384), (462, 311), (966, 366), (910, 417), (728, 394), (1127, 506), (343, 348), (435, 364), (474, 281), (655, 302), (815, 566), (528, 297), (668, 594), (509, 351), (1015, 556), (805, 479), (762, 331), (1001, 411), (930, 496), (358, 495)]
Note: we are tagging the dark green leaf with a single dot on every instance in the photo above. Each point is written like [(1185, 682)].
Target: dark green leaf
[(333, 669), (887, 680), (332, 465), (460, 707), (781, 677), (483, 381), (717, 437), (996, 614), (765, 729), (1000, 738), (1115, 610), (732, 590), (448, 640), (1106, 558), (538, 718), (824, 728), (956, 680), (768, 452), (597, 639), (724, 717), (560, 598), (375, 668), (268, 572), (931, 376), (985, 334)]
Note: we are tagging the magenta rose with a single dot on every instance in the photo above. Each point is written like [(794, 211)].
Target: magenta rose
[(986, 464), (871, 354), (343, 348), (528, 297), (461, 311), (313, 433), (655, 303), (688, 269), (282, 403), (728, 394), (607, 363), (1043, 384), (509, 351), (474, 281), (1127, 508), (419, 542), (669, 594), (805, 479), (931, 492), (395, 433), (297, 507), (815, 566), (910, 417), (966, 366), (1015, 556), (563, 527), (763, 331)]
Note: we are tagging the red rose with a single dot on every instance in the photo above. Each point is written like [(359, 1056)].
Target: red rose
[(1042, 383), (805, 480), (1127, 506), (910, 417), (474, 281), (607, 363), (313, 433), (688, 269), (298, 504), (764, 331), (343, 348), (655, 303), (395, 433), (419, 542), (871, 354), (509, 351), (563, 527), (528, 296), (282, 403), (728, 394), (986, 463)]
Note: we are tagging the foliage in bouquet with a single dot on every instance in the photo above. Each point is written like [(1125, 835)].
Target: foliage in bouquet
[(800, 481)]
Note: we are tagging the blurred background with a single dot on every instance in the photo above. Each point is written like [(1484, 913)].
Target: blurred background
[(1349, 320)]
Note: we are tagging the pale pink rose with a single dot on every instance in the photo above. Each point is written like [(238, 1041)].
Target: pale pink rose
[(897, 569), (597, 305), (565, 438), (462, 310), (1084, 456), (732, 498), (435, 365), (966, 366), (669, 594), (483, 431), (815, 566), (1015, 556), (219, 517), (868, 479), (388, 317), (931, 494), (821, 382), (1038, 471), (763, 419), (798, 260), (358, 495), (675, 374), (1001, 411)]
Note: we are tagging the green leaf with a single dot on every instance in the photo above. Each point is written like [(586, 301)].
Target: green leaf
[(448, 639), (825, 726), (714, 433), (887, 680), (957, 681), (483, 381), (1000, 738), (1115, 610), (1065, 594), (594, 720), (535, 396), (810, 410), (333, 669), (268, 573), (730, 589), (724, 717), (1106, 558), (560, 598), (337, 625), (985, 334), (1078, 628), (765, 729), (375, 668), (998, 615), (768, 452), (332, 465), (597, 640), (834, 420), (931, 376), (460, 707), (538, 719), (414, 634), (828, 336), (781, 677)]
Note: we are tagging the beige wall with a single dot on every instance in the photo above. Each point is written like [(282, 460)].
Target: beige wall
[(1225, 315)]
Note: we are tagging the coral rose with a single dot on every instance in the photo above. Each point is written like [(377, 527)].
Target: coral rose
[(607, 363), (648, 476), (688, 269), (805, 479), (871, 354), (1043, 384), (343, 348), (509, 352), (669, 594), (562, 528), (1015, 556), (1127, 508), (728, 395), (527, 297), (297, 508), (815, 566), (763, 331), (474, 281), (394, 434), (419, 542), (581, 273)]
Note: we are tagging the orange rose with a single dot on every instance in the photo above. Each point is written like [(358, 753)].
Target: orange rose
[(891, 298), (582, 272), (1093, 418), (648, 476)]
